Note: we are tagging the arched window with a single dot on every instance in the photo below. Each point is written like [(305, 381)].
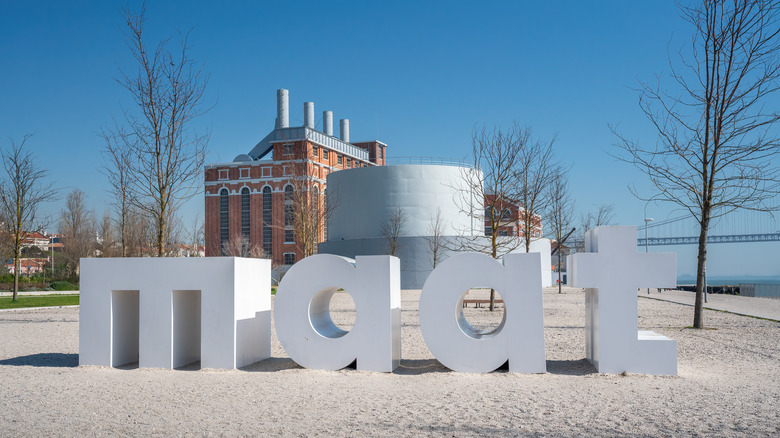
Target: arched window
[(224, 225), (289, 219), (267, 217), (288, 193), (245, 232)]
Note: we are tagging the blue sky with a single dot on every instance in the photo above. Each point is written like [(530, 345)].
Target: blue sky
[(416, 75)]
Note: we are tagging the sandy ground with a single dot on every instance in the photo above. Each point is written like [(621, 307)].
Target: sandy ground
[(728, 385)]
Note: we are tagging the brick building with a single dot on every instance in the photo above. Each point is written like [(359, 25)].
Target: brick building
[(509, 216), (252, 199)]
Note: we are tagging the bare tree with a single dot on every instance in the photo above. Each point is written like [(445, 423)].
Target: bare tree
[(589, 220), (603, 216), (309, 209), (560, 215), (116, 167), (109, 246), (164, 156), (78, 232), (23, 190), (536, 172), (139, 235), (487, 189), (196, 237), (435, 238), (392, 229), (240, 246), (716, 138)]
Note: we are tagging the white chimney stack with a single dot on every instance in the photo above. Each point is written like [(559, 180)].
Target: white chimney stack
[(327, 122), (308, 114), (344, 130), (282, 109)]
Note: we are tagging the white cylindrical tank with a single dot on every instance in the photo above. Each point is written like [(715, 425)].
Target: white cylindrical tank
[(364, 198), (282, 108), (345, 130), (327, 122)]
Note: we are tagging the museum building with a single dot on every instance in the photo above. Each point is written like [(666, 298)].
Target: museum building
[(250, 200)]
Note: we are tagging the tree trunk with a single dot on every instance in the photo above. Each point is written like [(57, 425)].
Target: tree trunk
[(492, 299), (698, 310), (161, 236), (17, 267), (559, 267)]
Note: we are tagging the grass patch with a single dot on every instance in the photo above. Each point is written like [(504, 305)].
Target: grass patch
[(39, 301)]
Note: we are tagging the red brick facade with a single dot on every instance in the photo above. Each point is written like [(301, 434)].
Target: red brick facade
[(511, 219), (291, 159)]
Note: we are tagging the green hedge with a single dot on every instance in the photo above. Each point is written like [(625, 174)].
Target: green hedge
[(63, 285)]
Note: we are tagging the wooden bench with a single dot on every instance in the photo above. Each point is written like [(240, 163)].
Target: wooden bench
[(478, 303)]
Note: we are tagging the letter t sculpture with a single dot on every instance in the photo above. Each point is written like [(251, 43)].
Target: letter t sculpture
[(612, 270)]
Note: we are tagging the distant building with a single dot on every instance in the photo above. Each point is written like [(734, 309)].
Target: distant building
[(250, 198), (511, 220)]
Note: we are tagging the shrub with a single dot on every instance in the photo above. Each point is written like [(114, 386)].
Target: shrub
[(63, 285)]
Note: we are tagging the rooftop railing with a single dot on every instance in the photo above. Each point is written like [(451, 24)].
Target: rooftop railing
[(439, 161)]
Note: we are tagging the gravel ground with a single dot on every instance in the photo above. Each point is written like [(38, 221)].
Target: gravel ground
[(728, 385)]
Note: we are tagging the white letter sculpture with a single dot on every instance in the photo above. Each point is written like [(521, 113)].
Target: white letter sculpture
[(612, 273), (307, 332), (169, 312), (520, 336)]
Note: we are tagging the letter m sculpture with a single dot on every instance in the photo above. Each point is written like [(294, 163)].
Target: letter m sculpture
[(170, 312)]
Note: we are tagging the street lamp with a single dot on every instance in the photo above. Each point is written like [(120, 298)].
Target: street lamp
[(647, 221)]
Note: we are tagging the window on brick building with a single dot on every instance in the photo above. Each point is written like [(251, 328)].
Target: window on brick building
[(288, 193), (224, 225), (488, 231), (289, 258), (243, 173), (265, 172), (245, 232), (224, 174), (507, 214), (349, 162), (315, 150), (289, 236), (324, 154), (325, 225), (287, 149), (381, 152), (289, 218), (338, 159), (267, 217)]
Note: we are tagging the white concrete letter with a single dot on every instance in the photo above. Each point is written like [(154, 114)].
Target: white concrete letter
[(612, 271), (520, 336), (307, 332), (168, 312)]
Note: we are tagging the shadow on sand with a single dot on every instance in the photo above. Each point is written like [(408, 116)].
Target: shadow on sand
[(54, 360), (579, 367)]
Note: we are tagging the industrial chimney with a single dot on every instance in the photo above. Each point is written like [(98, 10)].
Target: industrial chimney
[(344, 130), (308, 114), (327, 122), (282, 109)]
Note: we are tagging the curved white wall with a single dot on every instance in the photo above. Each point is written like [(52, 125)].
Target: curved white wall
[(367, 196)]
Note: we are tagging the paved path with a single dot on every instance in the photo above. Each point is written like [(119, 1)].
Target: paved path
[(768, 308), (45, 292)]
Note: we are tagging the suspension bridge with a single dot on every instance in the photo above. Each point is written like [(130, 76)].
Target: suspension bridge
[(738, 227)]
